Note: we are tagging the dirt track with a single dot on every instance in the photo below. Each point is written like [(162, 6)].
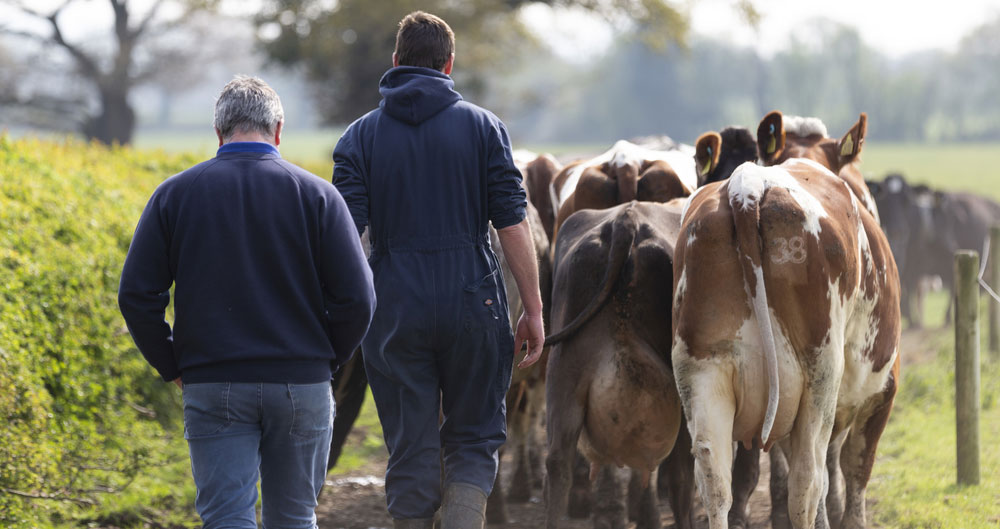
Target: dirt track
[(357, 500)]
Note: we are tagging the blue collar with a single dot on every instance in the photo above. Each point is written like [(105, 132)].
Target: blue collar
[(249, 146)]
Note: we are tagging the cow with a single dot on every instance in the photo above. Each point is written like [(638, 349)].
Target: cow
[(925, 228), (610, 389), (526, 397), (718, 154), (907, 214), (539, 170), (786, 319), (623, 173)]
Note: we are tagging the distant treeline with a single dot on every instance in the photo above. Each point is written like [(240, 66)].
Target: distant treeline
[(930, 96)]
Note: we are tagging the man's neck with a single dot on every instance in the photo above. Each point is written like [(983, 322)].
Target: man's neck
[(242, 137)]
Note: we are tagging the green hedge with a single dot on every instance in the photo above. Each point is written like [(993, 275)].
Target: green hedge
[(88, 433)]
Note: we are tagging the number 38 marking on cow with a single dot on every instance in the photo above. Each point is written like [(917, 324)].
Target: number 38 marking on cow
[(789, 250)]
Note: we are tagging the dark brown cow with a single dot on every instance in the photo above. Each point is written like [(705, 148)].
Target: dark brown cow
[(625, 172), (611, 388), (783, 275)]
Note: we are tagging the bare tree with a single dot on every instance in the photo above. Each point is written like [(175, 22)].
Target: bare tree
[(112, 76)]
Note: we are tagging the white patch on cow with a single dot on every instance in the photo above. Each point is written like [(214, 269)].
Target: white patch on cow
[(691, 238), (621, 159), (860, 381), (869, 200), (803, 126), (865, 253), (750, 181), (687, 203), (814, 164), (681, 285), (894, 185), (523, 157), (624, 152)]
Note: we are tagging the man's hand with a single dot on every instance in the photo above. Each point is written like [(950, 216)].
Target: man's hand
[(531, 330), (178, 382)]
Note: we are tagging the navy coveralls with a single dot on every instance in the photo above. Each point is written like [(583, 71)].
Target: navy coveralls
[(426, 172)]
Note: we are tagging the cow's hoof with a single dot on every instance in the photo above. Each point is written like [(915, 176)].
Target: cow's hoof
[(519, 495), (609, 522), (579, 505), (645, 522), (496, 511)]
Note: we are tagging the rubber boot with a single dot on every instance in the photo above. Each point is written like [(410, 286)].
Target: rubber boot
[(463, 507), (415, 523)]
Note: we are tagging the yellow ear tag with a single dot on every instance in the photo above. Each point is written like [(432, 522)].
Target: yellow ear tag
[(772, 145), (707, 167), (847, 148)]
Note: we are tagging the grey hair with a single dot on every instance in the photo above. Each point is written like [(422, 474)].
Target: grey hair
[(247, 104)]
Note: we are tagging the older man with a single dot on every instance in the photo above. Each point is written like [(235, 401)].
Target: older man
[(427, 173), (272, 292)]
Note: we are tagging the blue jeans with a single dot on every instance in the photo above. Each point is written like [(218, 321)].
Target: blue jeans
[(241, 432)]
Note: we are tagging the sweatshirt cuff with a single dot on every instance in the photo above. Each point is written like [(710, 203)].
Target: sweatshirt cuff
[(509, 218), (169, 374)]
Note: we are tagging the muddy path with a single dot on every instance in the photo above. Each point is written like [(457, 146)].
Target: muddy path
[(356, 500)]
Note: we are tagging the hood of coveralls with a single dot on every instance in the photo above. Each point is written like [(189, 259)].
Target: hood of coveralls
[(413, 94)]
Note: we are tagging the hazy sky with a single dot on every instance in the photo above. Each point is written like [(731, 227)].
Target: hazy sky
[(895, 27)]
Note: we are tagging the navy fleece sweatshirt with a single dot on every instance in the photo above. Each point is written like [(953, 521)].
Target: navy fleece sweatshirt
[(271, 284)]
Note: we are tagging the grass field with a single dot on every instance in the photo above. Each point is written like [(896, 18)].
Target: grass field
[(968, 166)]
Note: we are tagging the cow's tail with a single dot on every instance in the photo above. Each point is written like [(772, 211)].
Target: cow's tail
[(746, 190), (628, 183), (623, 233)]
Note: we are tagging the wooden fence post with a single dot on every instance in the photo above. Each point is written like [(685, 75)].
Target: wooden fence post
[(993, 276), (967, 365)]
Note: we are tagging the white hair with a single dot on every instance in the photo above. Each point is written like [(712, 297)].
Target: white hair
[(247, 104), (803, 126)]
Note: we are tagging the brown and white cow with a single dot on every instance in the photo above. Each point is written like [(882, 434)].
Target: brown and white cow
[(610, 388), (624, 173), (786, 319), (538, 171)]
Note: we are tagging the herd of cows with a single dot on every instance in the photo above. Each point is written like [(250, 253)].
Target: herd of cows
[(708, 302)]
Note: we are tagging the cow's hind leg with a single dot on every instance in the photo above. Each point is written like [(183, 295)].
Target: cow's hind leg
[(807, 476), (779, 488), (835, 494), (564, 418), (746, 472), (610, 509), (710, 409), (858, 454), (581, 494), (496, 504), (677, 478), (643, 507)]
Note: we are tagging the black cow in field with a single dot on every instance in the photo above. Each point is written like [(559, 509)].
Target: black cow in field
[(925, 228), (718, 154)]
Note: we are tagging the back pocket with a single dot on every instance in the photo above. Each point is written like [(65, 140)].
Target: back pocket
[(482, 303), (312, 409), (206, 409)]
